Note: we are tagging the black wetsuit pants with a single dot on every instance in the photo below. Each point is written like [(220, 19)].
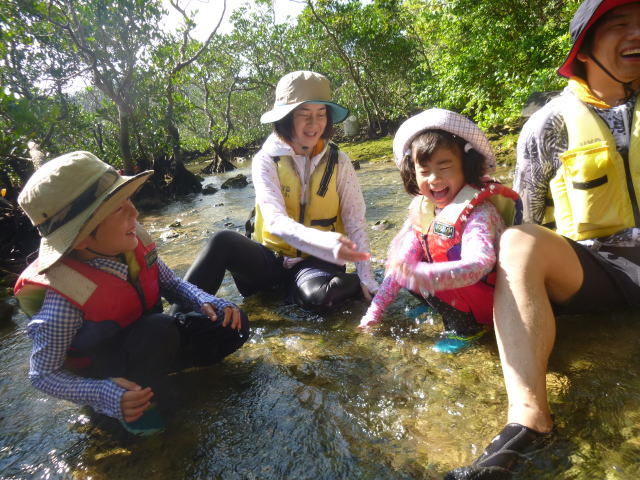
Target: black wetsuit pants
[(313, 283), (158, 344)]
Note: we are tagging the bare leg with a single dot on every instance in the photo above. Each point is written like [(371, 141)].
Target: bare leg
[(536, 265)]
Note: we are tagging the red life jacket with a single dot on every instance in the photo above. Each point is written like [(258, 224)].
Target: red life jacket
[(107, 302), (441, 239)]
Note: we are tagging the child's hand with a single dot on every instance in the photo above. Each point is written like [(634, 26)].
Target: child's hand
[(209, 311), (402, 273), (366, 293), (135, 400), (348, 251), (368, 321), (231, 315), (397, 269)]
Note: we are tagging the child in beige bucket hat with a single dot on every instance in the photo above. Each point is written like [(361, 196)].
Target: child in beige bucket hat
[(69, 196), (446, 250), (93, 295), (310, 213)]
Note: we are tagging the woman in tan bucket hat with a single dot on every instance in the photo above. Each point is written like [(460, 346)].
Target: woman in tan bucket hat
[(310, 214)]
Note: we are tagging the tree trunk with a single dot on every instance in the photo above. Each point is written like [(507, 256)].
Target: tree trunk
[(372, 117), (184, 182), (220, 163), (97, 135), (173, 134), (125, 147), (37, 157)]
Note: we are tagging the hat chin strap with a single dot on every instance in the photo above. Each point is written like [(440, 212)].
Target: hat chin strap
[(628, 90), (95, 252)]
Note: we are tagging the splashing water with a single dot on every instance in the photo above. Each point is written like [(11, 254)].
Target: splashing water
[(310, 396)]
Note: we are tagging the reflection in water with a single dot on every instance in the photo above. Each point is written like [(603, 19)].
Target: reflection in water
[(311, 397)]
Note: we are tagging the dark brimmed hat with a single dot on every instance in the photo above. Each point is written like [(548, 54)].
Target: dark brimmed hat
[(588, 13)]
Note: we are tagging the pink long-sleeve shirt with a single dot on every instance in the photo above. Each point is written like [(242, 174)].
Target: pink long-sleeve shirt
[(478, 257)]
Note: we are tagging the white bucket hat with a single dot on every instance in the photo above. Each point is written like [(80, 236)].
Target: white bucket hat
[(68, 197), (440, 119), (300, 87)]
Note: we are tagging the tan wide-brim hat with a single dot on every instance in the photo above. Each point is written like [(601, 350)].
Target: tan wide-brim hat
[(68, 197), (440, 119), (300, 87)]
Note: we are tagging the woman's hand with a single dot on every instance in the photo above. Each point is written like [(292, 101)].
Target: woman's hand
[(232, 316), (348, 251)]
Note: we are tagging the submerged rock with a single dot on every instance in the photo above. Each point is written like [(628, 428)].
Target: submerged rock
[(238, 181), (382, 225), (169, 234), (209, 190)]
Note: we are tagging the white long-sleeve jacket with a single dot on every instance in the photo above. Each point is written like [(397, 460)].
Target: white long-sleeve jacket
[(324, 245)]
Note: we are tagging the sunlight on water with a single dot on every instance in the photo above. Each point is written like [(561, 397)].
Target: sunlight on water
[(311, 397)]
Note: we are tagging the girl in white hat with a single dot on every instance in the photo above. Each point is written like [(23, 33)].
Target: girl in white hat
[(446, 252), (310, 213)]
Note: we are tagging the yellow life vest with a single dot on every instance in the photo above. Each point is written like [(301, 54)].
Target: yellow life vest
[(321, 210), (595, 192)]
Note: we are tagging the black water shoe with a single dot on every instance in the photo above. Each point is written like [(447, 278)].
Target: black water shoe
[(506, 452)]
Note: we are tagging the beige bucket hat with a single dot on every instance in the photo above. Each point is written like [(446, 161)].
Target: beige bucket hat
[(300, 87), (68, 197), (440, 119)]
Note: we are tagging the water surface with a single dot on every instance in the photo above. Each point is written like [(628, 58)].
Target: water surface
[(310, 397)]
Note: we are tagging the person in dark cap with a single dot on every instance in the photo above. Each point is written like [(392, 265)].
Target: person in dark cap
[(578, 173)]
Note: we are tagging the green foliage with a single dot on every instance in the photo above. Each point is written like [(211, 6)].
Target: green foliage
[(378, 150), (485, 58), (386, 59)]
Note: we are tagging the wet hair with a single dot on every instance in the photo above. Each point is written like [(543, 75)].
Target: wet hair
[(577, 66), (427, 142), (284, 127)]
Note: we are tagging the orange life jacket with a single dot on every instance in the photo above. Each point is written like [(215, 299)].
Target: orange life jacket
[(108, 303)]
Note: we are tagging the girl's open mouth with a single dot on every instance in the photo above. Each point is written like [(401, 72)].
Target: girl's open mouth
[(440, 194)]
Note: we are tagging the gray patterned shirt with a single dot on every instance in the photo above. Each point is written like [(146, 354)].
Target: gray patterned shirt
[(543, 138)]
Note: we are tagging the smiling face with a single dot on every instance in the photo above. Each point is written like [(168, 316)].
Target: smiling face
[(116, 234), (309, 123), (616, 44), (440, 177)]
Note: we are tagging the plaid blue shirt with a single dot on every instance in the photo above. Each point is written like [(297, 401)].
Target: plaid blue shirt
[(57, 322)]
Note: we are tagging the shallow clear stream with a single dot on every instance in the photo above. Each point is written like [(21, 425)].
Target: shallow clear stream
[(310, 397)]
